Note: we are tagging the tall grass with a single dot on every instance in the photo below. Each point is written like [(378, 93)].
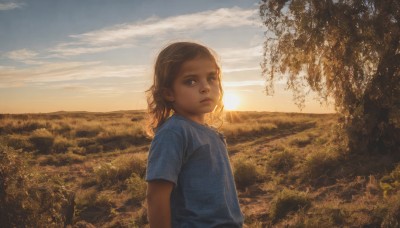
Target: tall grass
[(288, 201), (27, 198), (281, 162), (245, 173), (43, 140), (291, 170), (120, 169)]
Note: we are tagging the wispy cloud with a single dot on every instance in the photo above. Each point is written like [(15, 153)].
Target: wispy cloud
[(233, 17), (240, 58), (100, 88), (66, 71), (238, 69), (23, 55), (127, 34), (72, 49), (84, 90), (244, 83), (10, 5), (237, 54)]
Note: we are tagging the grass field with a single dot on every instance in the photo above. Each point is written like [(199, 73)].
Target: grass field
[(291, 170)]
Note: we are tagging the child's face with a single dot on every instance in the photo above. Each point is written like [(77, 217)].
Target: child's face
[(196, 89)]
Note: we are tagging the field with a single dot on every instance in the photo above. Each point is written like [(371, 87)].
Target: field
[(291, 170)]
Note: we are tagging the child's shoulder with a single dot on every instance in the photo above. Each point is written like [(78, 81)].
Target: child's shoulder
[(172, 124), (181, 125)]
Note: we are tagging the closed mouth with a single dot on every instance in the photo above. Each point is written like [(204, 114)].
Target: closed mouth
[(206, 100)]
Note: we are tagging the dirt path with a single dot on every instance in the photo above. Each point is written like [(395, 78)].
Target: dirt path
[(255, 200)]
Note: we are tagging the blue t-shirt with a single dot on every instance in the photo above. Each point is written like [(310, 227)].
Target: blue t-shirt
[(195, 159)]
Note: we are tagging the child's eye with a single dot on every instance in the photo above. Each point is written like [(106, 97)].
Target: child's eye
[(190, 82), (212, 78)]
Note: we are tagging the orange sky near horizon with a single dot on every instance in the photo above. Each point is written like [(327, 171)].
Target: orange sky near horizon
[(63, 59)]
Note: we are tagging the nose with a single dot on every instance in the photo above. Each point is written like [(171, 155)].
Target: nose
[(205, 87)]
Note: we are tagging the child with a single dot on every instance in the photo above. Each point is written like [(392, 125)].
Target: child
[(190, 181)]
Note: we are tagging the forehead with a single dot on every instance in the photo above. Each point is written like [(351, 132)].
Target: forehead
[(198, 65)]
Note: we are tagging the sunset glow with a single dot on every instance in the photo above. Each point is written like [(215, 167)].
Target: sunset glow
[(103, 61), (231, 101)]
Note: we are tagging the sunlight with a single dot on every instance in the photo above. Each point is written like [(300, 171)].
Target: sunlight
[(231, 101)]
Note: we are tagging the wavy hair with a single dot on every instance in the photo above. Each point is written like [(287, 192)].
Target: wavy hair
[(166, 68)]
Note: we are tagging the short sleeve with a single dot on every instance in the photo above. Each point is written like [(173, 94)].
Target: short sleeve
[(165, 157)]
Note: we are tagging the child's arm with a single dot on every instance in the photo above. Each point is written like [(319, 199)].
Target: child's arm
[(158, 203)]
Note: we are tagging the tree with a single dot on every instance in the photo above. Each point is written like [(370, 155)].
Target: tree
[(348, 50)]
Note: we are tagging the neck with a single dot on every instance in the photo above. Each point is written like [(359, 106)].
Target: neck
[(200, 119)]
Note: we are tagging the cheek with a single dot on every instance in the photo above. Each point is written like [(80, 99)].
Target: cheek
[(184, 93), (217, 89)]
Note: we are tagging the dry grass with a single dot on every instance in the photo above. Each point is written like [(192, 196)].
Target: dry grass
[(288, 201), (246, 173), (291, 169)]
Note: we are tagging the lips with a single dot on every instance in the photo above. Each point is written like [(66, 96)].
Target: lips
[(206, 100)]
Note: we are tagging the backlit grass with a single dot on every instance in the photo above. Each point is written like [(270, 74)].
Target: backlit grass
[(291, 170)]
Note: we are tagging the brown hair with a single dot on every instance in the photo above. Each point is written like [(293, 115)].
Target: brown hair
[(166, 67)]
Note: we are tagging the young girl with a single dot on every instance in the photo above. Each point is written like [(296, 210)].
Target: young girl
[(190, 181)]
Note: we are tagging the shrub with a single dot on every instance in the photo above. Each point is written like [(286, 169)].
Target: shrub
[(93, 206), (84, 142), (28, 199), (106, 174), (87, 131), (29, 126), (390, 183), (122, 137), (320, 164), (245, 173), (120, 169), (62, 159), (137, 186), (90, 145), (76, 150), (325, 217), (392, 217), (115, 142), (61, 145), (141, 219), (281, 162), (43, 140), (19, 142), (93, 149), (288, 201), (63, 129), (301, 141)]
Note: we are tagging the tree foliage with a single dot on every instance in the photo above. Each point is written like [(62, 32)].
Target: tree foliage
[(348, 50)]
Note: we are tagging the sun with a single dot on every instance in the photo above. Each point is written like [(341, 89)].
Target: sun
[(231, 101)]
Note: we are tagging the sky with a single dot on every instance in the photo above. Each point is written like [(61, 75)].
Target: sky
[(98, 55)]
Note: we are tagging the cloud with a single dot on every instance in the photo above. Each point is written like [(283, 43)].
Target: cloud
[(127, 34), (233, 17), (71, 49), (66, 71), (23, 55), (10, 5), (244, 83), (238, 69), (238, 54), (84, 90), (240, 58)]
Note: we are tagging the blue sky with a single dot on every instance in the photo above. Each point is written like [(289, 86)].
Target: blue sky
[(97, 55)]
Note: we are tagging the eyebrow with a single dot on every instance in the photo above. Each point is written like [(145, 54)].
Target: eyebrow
[(189, 76), (196, 75)]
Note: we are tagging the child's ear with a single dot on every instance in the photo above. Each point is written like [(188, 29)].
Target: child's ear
[(168, 95)]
